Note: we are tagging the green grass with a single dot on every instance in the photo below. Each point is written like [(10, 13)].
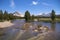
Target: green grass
[(49, 19)]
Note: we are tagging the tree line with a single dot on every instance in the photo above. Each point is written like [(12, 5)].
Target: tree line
[(7, 16), (27, 17)]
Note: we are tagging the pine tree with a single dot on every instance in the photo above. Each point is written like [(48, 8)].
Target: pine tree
[(1, 15), (6, 17), (27, 16), (53, 15)]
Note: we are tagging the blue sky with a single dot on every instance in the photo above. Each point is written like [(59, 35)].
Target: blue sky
[(35, 7)]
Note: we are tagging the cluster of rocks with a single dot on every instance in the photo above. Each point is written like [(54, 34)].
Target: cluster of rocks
[(38, 28)]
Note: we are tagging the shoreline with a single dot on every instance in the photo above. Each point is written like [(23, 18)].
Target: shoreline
[(5, 24)]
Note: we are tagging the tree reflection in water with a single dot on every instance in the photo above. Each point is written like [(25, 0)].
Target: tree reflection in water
[(48, 35), (53, 26)]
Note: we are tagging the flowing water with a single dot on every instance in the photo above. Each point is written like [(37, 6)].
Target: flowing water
[(15, 32)]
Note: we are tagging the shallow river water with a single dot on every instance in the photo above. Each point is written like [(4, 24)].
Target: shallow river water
[(15, 32)]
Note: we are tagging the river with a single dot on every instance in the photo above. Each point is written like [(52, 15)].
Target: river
[(14, 32)]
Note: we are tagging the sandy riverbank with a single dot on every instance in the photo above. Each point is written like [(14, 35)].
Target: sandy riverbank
[(5, 24)]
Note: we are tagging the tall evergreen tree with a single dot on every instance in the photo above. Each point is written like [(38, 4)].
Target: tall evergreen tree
[(27, 16), (6, 17), (53, 15), (1, 15)]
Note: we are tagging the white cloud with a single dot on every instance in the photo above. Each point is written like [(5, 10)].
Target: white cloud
[(34, 2), (12, 4), (46, 4)]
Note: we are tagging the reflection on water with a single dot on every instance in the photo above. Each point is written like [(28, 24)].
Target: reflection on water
[(14, 32), (53, 26)]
